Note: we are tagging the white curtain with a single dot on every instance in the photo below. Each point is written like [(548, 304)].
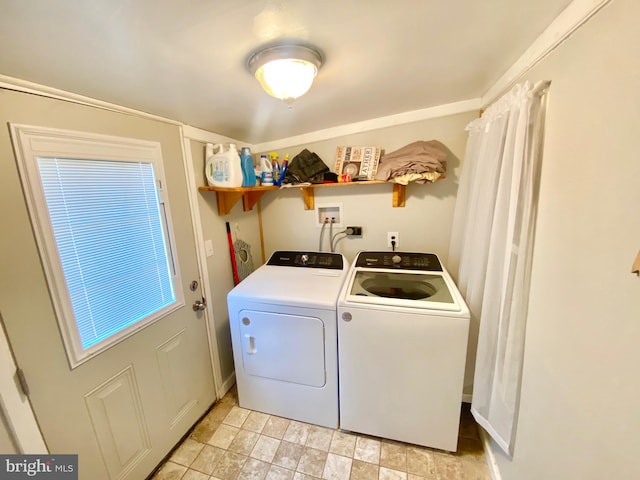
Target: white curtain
[(491, 247)]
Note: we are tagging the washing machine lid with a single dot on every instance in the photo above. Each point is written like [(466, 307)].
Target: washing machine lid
[(400, 279), (304, 279)]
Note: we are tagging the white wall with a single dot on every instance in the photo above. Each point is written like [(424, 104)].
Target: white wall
[(578, 414)]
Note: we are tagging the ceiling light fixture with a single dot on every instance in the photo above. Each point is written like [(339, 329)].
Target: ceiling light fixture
[(286, 71)]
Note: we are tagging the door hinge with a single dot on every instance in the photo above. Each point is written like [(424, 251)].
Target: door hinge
[(22, 382)]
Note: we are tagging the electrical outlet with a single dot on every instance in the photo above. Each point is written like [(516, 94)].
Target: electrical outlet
[(393, 236), (355, 231)]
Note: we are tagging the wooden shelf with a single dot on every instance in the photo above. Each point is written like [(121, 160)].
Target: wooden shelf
[(227, 197)]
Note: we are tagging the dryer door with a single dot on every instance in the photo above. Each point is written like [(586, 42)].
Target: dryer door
[(283, 347)]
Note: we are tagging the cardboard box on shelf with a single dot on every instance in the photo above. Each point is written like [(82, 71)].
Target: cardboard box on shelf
[(359, 162)]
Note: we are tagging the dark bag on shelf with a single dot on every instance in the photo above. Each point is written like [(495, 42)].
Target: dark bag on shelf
[(306, 167)]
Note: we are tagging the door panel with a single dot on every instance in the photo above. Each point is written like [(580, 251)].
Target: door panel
[(117, 417), (173, 360)]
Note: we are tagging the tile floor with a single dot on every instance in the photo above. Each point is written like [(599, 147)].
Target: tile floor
[(232, 443)]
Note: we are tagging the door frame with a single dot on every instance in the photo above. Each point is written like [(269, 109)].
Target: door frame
[(189, 133), (21, 421)]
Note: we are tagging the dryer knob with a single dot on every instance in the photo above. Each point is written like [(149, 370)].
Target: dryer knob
[(346, 316), (396, 259), (304, 258)]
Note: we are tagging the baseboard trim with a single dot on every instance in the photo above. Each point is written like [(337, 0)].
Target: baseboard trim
[(489, 455)]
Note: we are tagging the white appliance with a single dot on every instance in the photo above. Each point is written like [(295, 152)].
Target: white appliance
[(402, 341), (284, 336)]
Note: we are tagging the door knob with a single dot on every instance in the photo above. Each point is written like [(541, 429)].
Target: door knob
[(198, 306)]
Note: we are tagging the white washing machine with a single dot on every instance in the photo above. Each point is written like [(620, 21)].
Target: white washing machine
[(284, 335), (402, 341)]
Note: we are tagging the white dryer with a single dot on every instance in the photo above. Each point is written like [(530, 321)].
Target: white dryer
[(402, 335), (284, 336)]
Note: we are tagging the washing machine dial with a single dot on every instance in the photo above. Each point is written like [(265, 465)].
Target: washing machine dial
[(304, 258), (396, 259)]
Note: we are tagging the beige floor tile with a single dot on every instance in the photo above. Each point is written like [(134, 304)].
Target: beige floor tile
[(244, 442), (236, 416), (255, 422), (343, 443), (448, 467), (319, 438), (393, 455), (312, 462), (363, 470), (420, 461), (470, 449), (223, 436), (390, 474), (231, 397), (186, 453), (367, 450), (227, 445), (265, 448), (279, 473), (475, 470), (170, 471), (411, 476), (205, 428), (337, 467), (303, 476), (288, 455), (276, 427), (219, 412), (253, 469), (207, 459), (297, 432), (229, 466), (195, 475)]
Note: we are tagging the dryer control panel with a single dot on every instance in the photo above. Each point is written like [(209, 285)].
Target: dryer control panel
[(399, 260), (307, 259)]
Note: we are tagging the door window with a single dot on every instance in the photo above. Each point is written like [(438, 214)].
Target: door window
[(103, 229)]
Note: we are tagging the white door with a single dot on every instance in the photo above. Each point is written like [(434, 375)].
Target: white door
[(120, 407)]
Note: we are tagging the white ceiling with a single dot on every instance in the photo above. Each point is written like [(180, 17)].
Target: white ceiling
[(184, 59)]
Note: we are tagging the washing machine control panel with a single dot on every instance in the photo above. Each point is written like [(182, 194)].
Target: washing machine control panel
[(399, 260), (307, 259)]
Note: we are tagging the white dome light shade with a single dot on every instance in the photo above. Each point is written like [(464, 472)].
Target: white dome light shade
[(285, 71)]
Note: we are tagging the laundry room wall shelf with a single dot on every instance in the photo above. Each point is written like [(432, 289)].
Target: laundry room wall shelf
[(227, 197)]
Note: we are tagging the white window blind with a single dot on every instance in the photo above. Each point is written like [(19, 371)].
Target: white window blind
[(103, 227), (108, 227)]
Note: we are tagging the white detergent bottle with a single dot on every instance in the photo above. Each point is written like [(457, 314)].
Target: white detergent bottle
[(210, 162), (223, 167), (234, 167), (267, 173)]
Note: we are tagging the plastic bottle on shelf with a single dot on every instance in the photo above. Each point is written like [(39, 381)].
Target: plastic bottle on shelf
[(223, 168), (267, 173), (210, 162), (275, 166), (248, 169)]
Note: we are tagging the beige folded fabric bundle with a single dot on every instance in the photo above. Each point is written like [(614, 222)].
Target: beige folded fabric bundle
[(414, 161)]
